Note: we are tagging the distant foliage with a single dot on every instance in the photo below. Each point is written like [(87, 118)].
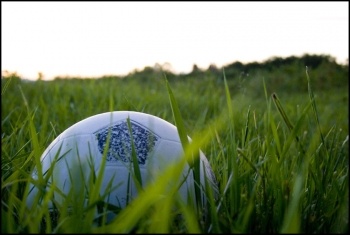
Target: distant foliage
[(289, 73)]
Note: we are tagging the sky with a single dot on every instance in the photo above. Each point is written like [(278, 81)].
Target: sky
[(92, 39)]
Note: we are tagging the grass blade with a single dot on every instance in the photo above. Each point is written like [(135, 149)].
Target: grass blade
[(194, 160)]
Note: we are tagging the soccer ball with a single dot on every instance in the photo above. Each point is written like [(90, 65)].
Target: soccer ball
[(75, 157)]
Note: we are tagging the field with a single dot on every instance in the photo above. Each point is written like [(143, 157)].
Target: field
[(277, 141)]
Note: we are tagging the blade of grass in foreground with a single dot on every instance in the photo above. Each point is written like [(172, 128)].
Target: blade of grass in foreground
[(34, 138), (194, 162), (177, 117), (138, 179), (314, 108), (312, 99), (290, 126), (281, 111), (234, 188)]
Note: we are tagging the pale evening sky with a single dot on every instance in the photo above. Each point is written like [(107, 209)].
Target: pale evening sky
[(91, 39)]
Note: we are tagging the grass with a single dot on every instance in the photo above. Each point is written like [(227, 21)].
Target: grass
[(280, 159)]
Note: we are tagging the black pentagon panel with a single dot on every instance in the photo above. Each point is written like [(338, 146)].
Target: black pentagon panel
[(120, 143)]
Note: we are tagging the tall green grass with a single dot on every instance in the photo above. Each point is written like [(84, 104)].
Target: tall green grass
[(280, 159)]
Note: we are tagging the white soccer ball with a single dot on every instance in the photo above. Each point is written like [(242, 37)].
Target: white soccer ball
[(77, 154)]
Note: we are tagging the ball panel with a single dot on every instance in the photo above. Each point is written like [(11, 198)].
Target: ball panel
[(122, 138)]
